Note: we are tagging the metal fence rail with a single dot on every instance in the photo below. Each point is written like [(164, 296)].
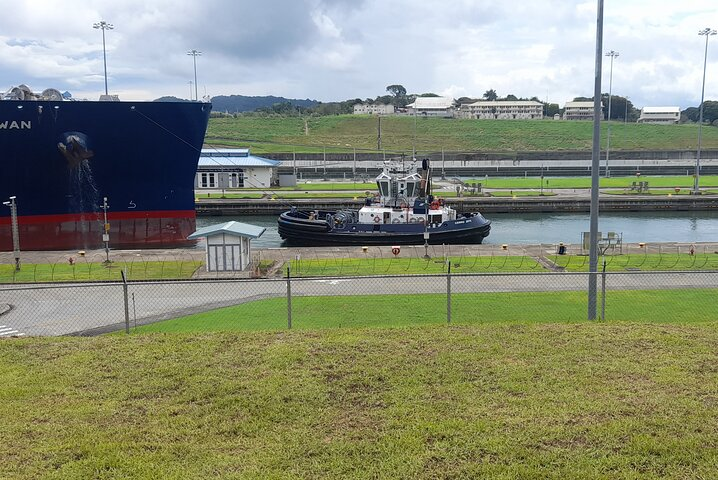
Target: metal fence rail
[(388, 300)]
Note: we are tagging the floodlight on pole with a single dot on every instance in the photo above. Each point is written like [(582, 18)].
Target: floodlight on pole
[(15, 231), (195, 54), (612, 54), (707, 32), (103, 25)]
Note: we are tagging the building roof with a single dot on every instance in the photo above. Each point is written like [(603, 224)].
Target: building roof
[(504, 103), (672, 110), (233, 228), (233, 157), (432, 102), (579, 104)]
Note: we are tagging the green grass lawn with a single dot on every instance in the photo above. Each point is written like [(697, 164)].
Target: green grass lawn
[(343, 133), (405, 265), (683, 182), (487, 400), (332, 267), (203, 196), (642, 262), (521, 193), (94, 271), (371, 311)]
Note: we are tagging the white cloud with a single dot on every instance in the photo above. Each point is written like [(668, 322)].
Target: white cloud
[(340, 49)]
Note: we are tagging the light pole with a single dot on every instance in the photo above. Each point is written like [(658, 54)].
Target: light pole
[(625, 115), (195, 54), (15, 233), (106, 231), (613, 55), (103, 25), (190, 89), (707, 32)]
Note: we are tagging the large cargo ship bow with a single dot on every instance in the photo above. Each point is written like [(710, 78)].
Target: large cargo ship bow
[(61, 159)]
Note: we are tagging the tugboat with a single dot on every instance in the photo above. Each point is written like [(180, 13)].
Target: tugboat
[(403, 213)]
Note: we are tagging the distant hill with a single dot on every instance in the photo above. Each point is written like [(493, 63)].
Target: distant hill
[(241, 103), (170, 99)]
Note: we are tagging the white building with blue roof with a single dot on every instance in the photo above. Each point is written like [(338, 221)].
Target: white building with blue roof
[(234, 168)]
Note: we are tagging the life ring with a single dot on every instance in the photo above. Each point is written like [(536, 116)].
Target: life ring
[(420, 219), (396, 220), (413, 220), (377, 219), (435, 205)]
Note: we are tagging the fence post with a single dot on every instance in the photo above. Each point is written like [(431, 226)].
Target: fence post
[(448, 294), (127, 304), (603, 291), (289, 298)]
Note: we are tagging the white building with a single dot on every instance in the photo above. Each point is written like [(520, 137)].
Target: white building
[(578, 110), (234, 168), (432, 107), (660, 115), (228, 246), (373, 109), (502, 110)]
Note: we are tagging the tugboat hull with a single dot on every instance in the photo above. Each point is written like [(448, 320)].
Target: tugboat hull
[(300, 228)]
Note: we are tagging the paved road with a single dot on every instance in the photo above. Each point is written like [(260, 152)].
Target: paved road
[(73, 308)]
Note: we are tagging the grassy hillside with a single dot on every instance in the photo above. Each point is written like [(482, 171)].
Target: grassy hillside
[(491, 401), (346, 132)]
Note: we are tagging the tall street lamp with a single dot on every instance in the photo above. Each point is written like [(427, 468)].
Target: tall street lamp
[(613, 55), (15, 232), (195, 54), (103, 25), (707, 32)]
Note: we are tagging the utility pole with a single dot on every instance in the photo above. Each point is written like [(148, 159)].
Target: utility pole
[(15, 231), (103, 25), (613, 55), (106, 231), (595, 165), (195, 54), (708, 32), (378, 133)]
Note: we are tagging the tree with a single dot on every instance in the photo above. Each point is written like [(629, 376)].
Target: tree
[(462, 100), (396, 90), (552, 109), (511, 98), (399, 93), (490, 95)]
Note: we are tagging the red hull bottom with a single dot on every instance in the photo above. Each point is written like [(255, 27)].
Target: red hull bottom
[(77, 232)]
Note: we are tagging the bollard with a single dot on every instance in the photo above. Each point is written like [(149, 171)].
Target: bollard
[(289, 300), (448, 294)]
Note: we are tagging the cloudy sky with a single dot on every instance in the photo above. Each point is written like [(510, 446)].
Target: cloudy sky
[(332, 50)]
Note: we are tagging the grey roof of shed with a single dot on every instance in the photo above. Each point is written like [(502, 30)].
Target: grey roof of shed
[(233, 228)]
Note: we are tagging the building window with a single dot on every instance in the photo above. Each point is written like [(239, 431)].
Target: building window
[(208, 180)]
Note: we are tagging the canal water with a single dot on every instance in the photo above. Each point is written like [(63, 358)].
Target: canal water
[(536, 228)]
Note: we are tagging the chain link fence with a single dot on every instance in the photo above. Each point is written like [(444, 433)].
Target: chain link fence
[(93, 308), (45, 267)]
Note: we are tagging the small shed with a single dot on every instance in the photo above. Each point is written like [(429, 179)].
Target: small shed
[(228, 245)]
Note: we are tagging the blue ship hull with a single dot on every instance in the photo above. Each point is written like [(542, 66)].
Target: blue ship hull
[(61, 159)]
